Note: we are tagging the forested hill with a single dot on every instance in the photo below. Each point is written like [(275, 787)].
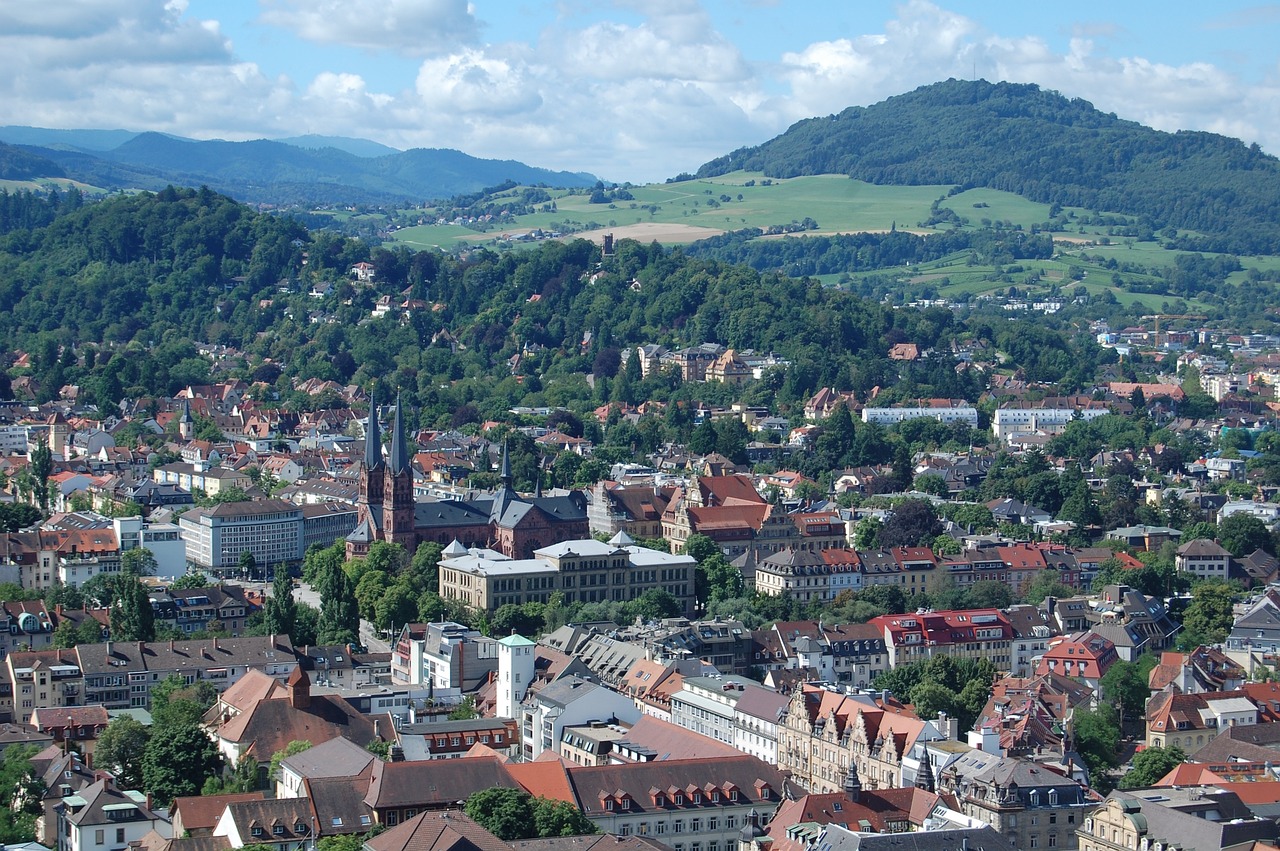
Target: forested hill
[(278, 173), (109, 296), (1042, 146)]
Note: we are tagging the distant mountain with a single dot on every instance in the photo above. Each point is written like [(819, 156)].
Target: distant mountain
[(85, 140), (320, 170), (17, 164), (1042, 146), (357, 147)]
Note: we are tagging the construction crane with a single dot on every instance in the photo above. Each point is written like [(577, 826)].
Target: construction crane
[(1158, 316)]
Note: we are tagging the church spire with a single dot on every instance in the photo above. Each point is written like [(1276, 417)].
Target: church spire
[(505, 476), (373, 439), (399, 461)]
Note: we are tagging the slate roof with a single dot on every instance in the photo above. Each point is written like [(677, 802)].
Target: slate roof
[(450, 830), (433, 784)]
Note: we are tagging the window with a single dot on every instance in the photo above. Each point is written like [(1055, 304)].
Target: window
[(278, 830), (255, 830), (624, 830), (660, 827), (1053, 840), (336, 821), (99, 836), (677, 826), (1033, 840), (695, 825), (119, 834), (608, 805), (713, 823)]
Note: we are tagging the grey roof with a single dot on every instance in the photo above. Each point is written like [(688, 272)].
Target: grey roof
[(337, 757), (102, 795), (565, 691), (983, 838)]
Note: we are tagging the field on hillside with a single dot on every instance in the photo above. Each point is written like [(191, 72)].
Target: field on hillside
[(685, 212)]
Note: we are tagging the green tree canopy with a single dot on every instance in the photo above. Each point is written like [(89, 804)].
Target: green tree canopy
[(121, 749), (1151, 765)]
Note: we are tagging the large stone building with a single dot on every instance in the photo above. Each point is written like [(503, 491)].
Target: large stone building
[(826, 732), (583, 570), (1032, 806)]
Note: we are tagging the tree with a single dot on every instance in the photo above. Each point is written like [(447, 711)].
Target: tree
[(1126, 683), (191, 579), (1097, 740), (279, 612), (931, 483), (248, 564), (989, 594), (465, 711), (506, 813), (174, 703), (1151, 765), (120, 750), (914, 522), (132, 618), (1208, 618), (1241, 534), (25, 793), (560, 818), (339, 612), (177, 762), (41, 469), (139, 561), (296, 746)]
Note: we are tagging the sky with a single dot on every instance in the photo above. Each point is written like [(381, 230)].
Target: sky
[(629, 90)]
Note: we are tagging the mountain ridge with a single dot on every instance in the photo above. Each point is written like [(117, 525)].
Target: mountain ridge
[(264, 171)]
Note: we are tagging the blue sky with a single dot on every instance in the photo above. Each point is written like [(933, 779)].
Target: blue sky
[(635, 90)]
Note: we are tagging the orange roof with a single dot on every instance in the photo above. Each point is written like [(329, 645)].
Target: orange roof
[(548, 779)]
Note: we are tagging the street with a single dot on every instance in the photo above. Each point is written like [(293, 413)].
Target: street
[(306, 594)]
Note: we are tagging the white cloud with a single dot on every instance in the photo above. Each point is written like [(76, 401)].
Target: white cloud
[(414, 27), (637, 95)]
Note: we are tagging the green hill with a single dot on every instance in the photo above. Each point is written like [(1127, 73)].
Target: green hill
[(1044, 147)]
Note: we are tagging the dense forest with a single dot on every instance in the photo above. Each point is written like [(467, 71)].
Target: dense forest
[(111, 296), (1044, 147), (825, 255)]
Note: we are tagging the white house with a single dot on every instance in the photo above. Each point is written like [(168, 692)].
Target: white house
[(102, 818), (570, 702)]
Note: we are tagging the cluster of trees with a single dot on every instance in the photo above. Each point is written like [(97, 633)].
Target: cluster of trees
[(174, 756), (828, 255), (958, 687), (513, 814), (26, 794)]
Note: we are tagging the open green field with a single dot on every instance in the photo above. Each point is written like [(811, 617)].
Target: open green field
[(681, 213)]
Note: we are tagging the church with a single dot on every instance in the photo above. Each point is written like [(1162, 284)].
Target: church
[(505, 521)]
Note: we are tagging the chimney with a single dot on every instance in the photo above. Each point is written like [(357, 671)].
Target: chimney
[(215, 643), (108, 648), (170, 645), (375, 730)]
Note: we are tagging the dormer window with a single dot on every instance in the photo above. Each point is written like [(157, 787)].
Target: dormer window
[(608, 804), (256, 830), (679, 799), (626, 803), (299, 827), (278, 830)]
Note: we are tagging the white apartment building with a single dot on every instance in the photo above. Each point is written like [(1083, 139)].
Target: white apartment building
[(1011, 421), (888, 416)]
